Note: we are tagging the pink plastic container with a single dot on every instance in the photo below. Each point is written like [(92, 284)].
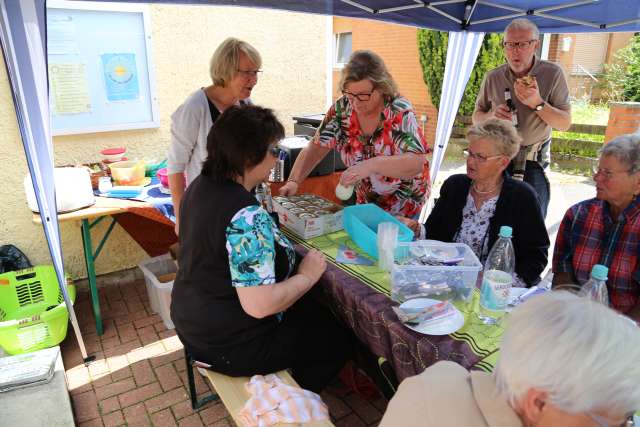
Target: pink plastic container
[(162, 176)]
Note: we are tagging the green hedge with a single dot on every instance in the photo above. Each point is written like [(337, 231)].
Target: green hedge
[(432, 48), (632, 81)]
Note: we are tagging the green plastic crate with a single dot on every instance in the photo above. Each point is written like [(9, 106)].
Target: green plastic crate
[(33, 314)]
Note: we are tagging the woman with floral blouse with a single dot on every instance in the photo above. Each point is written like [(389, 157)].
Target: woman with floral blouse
[(377, 135), (239, 302)]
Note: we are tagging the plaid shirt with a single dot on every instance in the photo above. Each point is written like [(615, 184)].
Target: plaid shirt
[(588, 235)]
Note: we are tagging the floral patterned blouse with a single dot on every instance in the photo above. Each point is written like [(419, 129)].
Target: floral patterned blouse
[(474, 229), (397, 133), (254, 244), (475, 225)]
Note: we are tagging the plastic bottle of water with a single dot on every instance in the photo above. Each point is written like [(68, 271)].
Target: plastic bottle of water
[(596, 286), (497, 278)]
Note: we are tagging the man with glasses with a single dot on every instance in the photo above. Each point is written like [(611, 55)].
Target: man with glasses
[(541, 104)]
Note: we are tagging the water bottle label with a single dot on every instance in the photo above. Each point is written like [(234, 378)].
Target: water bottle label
[(495, 289)]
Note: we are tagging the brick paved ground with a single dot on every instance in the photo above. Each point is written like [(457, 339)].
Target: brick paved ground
[(139, 377)]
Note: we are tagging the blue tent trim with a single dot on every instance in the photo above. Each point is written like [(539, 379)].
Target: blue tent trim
[(485, 16)]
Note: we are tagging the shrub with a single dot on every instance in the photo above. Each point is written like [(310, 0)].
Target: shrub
[(632, 58), (620, 80), (432, 48)]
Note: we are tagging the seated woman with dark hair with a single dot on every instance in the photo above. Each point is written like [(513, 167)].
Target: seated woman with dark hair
[(238, 301)]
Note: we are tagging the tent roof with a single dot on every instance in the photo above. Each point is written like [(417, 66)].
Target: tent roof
[(551, 16)]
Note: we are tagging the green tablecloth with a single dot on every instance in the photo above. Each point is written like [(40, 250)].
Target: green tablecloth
[(483, 340)]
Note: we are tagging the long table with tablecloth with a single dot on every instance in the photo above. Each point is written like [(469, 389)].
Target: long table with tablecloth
[(360, 295)]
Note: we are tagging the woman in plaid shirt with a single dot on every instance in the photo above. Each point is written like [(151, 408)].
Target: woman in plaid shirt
[(606, 229)]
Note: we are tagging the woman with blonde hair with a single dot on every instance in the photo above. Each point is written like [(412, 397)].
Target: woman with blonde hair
[(473, 206), (234, 69), (377, 135)]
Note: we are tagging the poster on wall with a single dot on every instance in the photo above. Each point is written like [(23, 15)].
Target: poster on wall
[(99, 62), (120, 76)]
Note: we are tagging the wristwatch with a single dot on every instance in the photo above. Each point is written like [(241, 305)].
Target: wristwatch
[(539, 107)]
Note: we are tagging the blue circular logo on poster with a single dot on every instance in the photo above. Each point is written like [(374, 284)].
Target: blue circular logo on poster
[(121, 76)]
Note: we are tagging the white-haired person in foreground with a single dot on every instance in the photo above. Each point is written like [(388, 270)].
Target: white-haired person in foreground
[(565, 361)]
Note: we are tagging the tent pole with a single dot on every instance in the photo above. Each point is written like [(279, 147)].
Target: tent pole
[(358, 5), (618, 24), (563, 6), (24, 49)]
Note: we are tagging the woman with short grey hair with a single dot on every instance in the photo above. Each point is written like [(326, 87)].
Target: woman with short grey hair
[(376, 132), (473, 206), (564, 361), (606, 229), (234, 69), (504, 136)]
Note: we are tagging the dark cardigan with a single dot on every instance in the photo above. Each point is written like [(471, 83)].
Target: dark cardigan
[(517, 207)]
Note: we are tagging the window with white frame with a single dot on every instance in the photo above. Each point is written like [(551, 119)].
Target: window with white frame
[(342, 49)]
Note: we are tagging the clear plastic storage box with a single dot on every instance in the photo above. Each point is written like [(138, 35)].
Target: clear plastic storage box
[(431, 269), (157, 271)]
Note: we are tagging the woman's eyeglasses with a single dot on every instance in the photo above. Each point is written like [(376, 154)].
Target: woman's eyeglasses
[(275, 151), (358, 96), (479, 157), (605, 173), (249, 73), (628, 422)]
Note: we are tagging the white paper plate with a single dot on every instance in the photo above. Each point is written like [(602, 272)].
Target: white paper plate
[(445, 326), (513, 294)]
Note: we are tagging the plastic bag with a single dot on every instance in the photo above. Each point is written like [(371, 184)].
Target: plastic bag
[(12, 259)]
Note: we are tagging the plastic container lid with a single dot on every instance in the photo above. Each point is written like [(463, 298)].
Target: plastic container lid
[(599, 272), (113, 151), (506, 231)]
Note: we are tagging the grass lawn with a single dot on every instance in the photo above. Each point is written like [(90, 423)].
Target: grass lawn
[(578, 135), (586, 113)]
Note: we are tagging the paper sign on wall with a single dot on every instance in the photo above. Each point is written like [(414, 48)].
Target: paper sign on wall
[(70, 88)]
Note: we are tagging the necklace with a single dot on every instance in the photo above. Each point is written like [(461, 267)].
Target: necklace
[(475, 188)]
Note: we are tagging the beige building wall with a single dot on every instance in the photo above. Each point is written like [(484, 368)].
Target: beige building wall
[(293, 48)]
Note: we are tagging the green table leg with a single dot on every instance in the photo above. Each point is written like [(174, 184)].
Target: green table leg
[(90, 259)]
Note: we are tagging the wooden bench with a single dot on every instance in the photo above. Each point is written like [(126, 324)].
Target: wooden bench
[(233, 393)]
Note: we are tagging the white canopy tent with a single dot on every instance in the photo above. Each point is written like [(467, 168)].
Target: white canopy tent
[(23, 38)]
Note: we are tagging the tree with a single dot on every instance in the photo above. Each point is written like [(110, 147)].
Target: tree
[(620, 80), (432, 48), (631, 56)]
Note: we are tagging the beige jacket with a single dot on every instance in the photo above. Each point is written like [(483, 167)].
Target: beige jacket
[(446, 394)]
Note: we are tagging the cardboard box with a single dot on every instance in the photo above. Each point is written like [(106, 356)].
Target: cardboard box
[(307, 228)]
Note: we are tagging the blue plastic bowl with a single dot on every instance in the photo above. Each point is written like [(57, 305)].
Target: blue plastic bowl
[(361, 224)]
